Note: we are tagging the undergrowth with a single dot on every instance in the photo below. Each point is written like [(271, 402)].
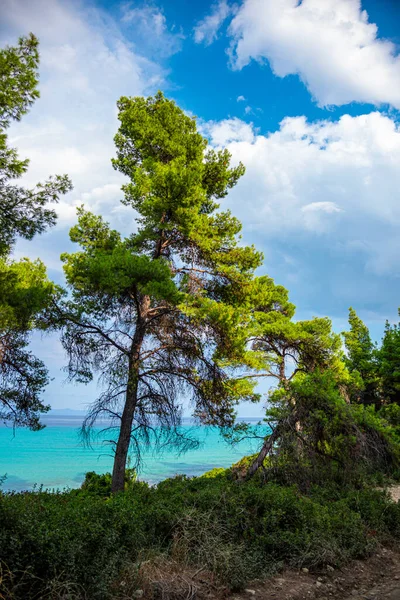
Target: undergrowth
[(88, 544)]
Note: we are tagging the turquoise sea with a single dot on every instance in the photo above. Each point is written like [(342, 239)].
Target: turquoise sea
[(56, 458)]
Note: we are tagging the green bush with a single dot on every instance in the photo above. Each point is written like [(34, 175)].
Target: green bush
[(100, 485), (82, 540)]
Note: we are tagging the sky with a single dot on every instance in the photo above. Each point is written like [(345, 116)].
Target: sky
[(305, 93)]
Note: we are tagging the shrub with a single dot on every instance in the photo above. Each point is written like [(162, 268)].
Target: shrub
[(100, 485), (85, 540)]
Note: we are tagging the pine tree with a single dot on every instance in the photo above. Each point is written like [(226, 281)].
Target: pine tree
[(389, 364), (159, 314), (295, 356), (23, 212), (24, 288), (361, 360), (25, 292)]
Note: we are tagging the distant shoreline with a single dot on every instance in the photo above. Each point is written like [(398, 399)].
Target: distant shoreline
[(69, 412)]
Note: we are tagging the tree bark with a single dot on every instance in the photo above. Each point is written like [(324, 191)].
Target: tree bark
[(124, 437), (267, 446), (265, 450)]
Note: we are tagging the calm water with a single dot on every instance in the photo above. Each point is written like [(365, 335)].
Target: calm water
[(56, 458)]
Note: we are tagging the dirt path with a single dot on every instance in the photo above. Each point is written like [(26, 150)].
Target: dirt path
[(377, 578), (395, 492)]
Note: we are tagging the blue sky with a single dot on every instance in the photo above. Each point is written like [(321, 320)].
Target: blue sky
[(305, 93)]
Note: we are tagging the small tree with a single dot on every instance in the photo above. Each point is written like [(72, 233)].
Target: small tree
[(24, 288), (292, 353), (389, 364), (23, 212), (335, 440), (24, 293), (157, 315), (361, 360), (316, 431)]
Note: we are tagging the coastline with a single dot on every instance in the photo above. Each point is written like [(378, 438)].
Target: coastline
[(56, 457)]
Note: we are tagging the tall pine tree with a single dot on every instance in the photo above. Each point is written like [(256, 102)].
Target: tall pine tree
[(159, 314)]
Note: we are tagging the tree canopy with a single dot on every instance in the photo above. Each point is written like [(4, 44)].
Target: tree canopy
[(389, 364), (25, 290), (361, 359), (22, 212), (158, 314)]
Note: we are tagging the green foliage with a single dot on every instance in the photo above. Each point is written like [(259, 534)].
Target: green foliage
[(289, 347), (25, 292), (325, 407), (107, 268), (23, 378), (100, 485), (331, 439), (22, 212), (80, 539), (361, 360), (87, 540), (377, 368), (24, 288), (389, 364), (19, 79), (391, 413)]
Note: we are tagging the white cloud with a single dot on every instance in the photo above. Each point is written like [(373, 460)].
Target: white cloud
[(240, 99), (225, 132), (86, 64), (330, 44), (206, 31), (151, 30), (314, 215), (328, 207), (339, 180)]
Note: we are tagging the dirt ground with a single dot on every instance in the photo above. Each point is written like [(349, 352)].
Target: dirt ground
[(395, 492), (377, 578)]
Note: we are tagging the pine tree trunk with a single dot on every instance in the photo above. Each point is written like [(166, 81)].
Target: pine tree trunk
[(124, 438), (281, 428), (125, 431), (265, 450)]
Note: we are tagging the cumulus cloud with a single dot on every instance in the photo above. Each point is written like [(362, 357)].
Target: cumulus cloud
[(333, 186), (206, 31), (224, 132), (329, 44), (86, 64), (151, 30)]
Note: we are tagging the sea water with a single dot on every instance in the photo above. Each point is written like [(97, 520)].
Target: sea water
[(56, 458)]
